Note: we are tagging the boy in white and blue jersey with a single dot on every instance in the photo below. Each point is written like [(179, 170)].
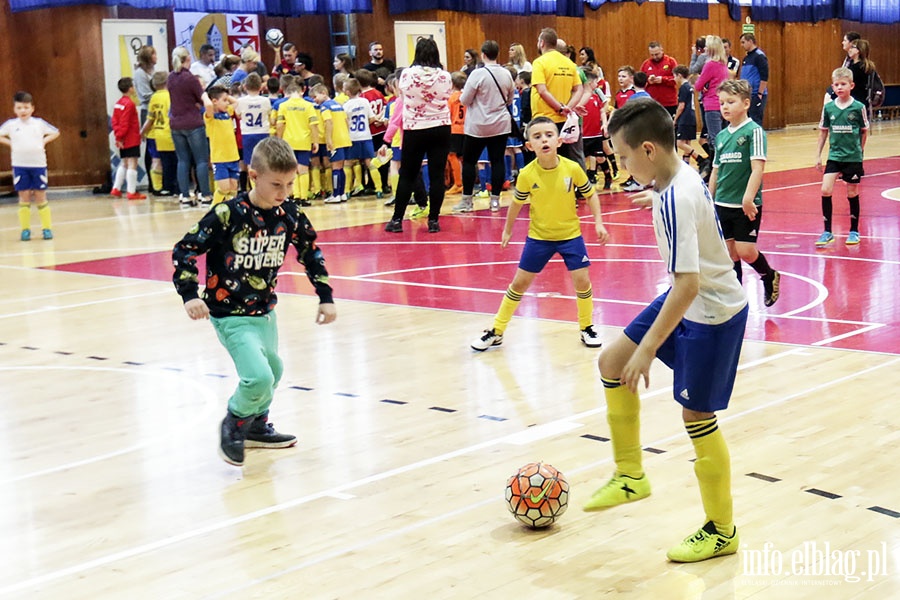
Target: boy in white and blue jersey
[(696, 328), (27, 137), (359, 116), (253, 111)]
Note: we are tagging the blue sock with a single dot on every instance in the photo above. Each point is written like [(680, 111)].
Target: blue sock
[(507, 159), (338, 181), (520, 161), (483, 176), (425, 176)]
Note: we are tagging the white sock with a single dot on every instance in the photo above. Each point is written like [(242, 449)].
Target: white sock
[(131, 178), (120, 177)]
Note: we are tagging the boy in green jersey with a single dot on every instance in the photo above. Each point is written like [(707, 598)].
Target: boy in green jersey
[(736, 184), (846, 125)]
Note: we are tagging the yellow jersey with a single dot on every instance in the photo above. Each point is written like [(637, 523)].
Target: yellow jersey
[(222, 141), (158, 111), (551, 193), (299, 117), (331, 110), (560, 75)]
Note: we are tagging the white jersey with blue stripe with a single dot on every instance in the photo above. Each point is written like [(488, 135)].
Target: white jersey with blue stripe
[(690, 241)]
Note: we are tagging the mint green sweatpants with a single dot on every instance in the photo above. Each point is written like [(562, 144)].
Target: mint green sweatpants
[(252, 343)]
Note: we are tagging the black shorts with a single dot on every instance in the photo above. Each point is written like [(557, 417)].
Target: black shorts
[(735, 224), (851, 172), (593, 146), (686, 133), (456, 143), (133, 152)]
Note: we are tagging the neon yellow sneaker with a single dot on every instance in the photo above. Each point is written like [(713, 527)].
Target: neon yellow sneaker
[(706, 543), (621, 489), (419, 211)]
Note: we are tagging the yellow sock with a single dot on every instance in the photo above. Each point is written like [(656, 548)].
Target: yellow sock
[(623, 413), (327, 179), (394, 179), (376, 177), (585, 302), (357, 175), (25, 215), (304, 185), (156, 180), (507, 307), (713, 470), (315, 181), (218, 196), (297, 179), (44, 214), (348, 178)]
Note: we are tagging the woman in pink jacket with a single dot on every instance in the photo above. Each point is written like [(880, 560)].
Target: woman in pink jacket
[(714, 72), (425, 88)]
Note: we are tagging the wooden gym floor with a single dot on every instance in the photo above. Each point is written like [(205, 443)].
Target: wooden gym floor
[(111, 487)]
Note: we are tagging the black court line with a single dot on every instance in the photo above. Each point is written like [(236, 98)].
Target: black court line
[(346, 394), (763, 477), (132, 363), (885, 511), (29, 348), (654, 450), (301, 388), (389, 401), (64, 353), (98, 358), (219, 375), (822, 493), (442, 409), (491, 418), (178, 369), (596, 438)]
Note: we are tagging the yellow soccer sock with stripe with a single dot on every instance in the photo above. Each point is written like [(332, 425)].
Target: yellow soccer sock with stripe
[(156, 179), (348, 180), (713, 470), (585, 302), (327, 183), (315, 181), (44, 214), (507, 307), (25, 215), (623, 413), (304, 186), (376, 177), (296, 186), (394, 179), (219, 196), (357, 176)]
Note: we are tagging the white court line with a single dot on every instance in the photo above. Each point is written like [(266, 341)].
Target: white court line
[(69, 293), (848, 334), (45, 309), (343, 488), (462, 510)]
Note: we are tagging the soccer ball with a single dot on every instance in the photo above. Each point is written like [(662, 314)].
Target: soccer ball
[(274, 37), (537, 495)]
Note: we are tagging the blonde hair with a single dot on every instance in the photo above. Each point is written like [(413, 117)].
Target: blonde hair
[(842, 73), (144, 56), (273, 155), (180, 55), (519, 59), (715, 49), (735, 87)]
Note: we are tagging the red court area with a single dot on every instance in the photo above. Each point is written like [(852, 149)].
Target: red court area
[(840, 296)]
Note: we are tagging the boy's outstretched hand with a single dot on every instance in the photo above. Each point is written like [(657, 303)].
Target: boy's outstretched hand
[(602, 233), (327, 313), (196, 309)]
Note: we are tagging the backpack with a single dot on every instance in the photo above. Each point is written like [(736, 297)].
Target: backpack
[(876, 90)]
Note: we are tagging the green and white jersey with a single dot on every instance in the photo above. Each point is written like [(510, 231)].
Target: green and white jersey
[(735, 148), (845, 124)]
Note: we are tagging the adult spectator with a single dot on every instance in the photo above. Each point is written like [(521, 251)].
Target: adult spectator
[(143, 72), (378, 64), (714, 72), (487, 94), (285, 60), (586, 58), (425, 89), (846, 44), (249, 58), (556, 87), (470, 62), (698, 56), (205, 65), (186, 122), (755, 69), (861, 67), (343, 63), (733, 64), (518, 59), (660, 70), (225, 70)]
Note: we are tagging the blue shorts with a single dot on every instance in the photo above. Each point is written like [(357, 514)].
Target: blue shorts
[(514, 142), (227, 170), (361, 150), (704, 358), (151, 148), (397, 153), (322, 153), (250, 142), (338, 155), (483, 157), (29, 178), (302, 157), (537, 253)]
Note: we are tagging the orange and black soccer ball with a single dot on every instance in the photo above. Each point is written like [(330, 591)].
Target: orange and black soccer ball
[(537, 495)]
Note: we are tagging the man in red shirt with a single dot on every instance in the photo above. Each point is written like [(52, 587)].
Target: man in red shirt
[(660, 70)]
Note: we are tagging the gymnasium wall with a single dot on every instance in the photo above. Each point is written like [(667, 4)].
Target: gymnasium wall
[(56, 55)]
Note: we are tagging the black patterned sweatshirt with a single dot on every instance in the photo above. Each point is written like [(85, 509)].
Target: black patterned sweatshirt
[(245, 246)]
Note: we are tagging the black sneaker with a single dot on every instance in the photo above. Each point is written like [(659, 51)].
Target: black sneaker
[(433, 226), (394, 226), (262, 434), (771, 284), (233, 433)]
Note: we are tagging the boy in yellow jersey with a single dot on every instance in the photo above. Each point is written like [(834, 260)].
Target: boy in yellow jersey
[(337, 139), (696, 328), (160, 146), (549, 184), (298, 125), (223, 150)]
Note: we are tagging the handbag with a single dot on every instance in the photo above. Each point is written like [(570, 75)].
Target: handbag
[(514, 130)]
